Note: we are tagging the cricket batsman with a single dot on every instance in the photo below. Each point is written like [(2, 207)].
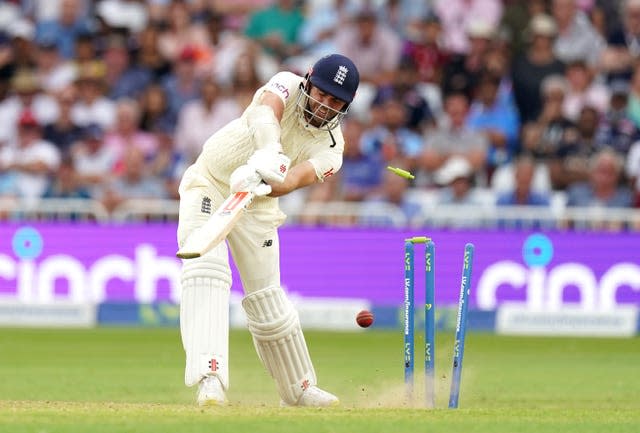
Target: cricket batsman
[(289, 137)]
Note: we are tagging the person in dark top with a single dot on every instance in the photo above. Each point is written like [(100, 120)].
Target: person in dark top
[(532, 67)]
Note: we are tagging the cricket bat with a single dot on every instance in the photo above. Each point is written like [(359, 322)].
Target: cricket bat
[(217, 227)]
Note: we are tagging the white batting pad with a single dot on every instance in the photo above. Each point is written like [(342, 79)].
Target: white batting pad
[(278, 338), (204, 318)]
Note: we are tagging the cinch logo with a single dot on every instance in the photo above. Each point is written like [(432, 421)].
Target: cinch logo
[(282, 89), (544, 288), (64, 277), (341, 74)]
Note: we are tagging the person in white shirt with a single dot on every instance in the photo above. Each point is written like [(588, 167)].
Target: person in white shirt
[(32, 159), (289, 137)]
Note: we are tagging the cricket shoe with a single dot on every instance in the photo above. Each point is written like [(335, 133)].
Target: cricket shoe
[(211, 393), (314, 397)]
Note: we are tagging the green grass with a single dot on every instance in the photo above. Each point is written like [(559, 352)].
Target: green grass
[(130, 380)]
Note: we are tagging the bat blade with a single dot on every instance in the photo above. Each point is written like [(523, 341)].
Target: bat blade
[(217, 227)]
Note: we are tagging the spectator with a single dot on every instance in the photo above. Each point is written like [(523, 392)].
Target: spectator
[(406, 88), (402, 16), (148, 55), (612, 13), (155, 113), (393, 193), (31, 158), (374, 48), (583, 90), (181, 33), (167, 163), (516, 18), (65, 183), (457, 15), (392, 140), (237, 13), (93, 106), (576, 152), (202, 117), (53, 73), (616, 129), (85, 49), (226, 48), (623, 44), (65, 28), (577, 38), (632, 170), (320, 28), (124, 15), (26, 95), (426, 51), (453, 137), (8, 183), (126, 134), (531, 68), (6, 63), (497, 63), (633, 104), (94, 162), (463, 71), (456, 180), (603, 188), (245, 79), (123, 79), (552, 130), (276, 28), (135, 182), (22, 34), (361, 173), (497, 119), (182, 85), (523, 193), (64, 131)]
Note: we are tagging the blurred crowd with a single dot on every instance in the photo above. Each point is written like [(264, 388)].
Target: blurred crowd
[(113, 99)]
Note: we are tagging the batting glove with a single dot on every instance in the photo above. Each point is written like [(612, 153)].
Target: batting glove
[(271, 165), (245, 178)]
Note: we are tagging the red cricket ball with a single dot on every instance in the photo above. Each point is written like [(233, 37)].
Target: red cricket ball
[(364, 318)]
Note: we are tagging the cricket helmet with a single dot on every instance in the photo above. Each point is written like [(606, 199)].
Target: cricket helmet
[(336, 75)]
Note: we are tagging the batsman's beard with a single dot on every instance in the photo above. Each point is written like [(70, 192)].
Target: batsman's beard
[(323, 116)]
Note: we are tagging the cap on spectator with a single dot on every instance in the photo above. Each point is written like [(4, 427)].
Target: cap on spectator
[(456, 167), (91, 71), (619, 87), (480, 29), (27, 119), (552, 83), (188, 54), (46, 43), (363, 13), (25, 81), (21, 29), (116, 41), (543, 25), (431, 17), (93, 131)]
